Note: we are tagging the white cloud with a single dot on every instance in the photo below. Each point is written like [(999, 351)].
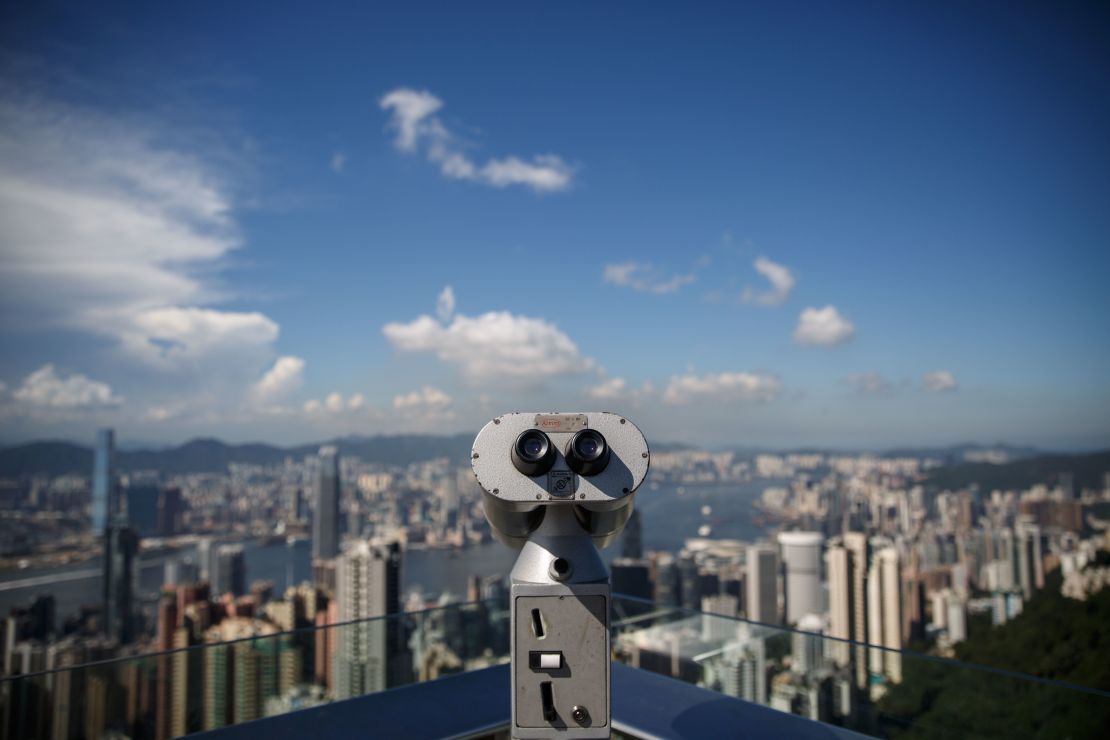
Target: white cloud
[(334, 402), (109, 232), (46, 387), (445, 304), (413, 116), (425, 398), (356, 402), (823, 326), (870, 382), (494, 345), (338, 162), (645, 277), (781, 279), (940, 380), (722, 387), (283, 378)]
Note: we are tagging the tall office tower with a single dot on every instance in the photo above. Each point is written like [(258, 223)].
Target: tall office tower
[(1030, 559), (121, 549), (801, 554), (168, 519), (762, 577), (325, 521), (104, 486), (884, 607), (632, 542), (206, 561), (859, 558), (631, 577), (668, 582), (691, 583), (230, 574), (368, 652)]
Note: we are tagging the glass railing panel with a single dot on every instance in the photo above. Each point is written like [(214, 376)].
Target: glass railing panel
[(872, 690), (245, 669)]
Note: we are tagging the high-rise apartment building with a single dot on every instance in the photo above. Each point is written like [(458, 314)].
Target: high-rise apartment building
[(105, 490), (368, 651), (1030, 559), (859, 559), (325, 520), (762, 578), (801, 556), (884, 614)]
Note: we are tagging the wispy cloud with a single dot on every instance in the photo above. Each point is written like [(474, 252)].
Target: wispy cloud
[(939, 381), (109, 232), (870, 383), (338, 162), (823, 327), (645, 277), (780, 278), (418, 128), (445, 304), (722, 387)]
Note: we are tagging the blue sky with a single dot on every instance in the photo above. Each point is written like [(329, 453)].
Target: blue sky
[(859, 225)]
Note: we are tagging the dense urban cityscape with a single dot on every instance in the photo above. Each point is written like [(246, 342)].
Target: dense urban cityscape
[(864, 555)]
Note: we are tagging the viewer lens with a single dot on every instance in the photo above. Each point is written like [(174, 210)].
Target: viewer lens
[(532, 447), (532, 453), (587, 454)]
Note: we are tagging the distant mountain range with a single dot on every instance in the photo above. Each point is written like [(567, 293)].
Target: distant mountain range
[(213, 456), (1087, 471)]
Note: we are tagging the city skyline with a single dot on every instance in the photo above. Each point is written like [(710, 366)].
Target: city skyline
[(773, 230)]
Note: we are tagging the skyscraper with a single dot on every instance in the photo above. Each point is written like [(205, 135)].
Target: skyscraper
[(104, 487), (762, 579), (632, 542), (859, 558), (801, 554), (121, 547), (325, 521), (231, 571), (368, 584), (839, 568)]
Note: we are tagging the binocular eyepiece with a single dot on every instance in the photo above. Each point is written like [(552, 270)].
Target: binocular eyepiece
[(592, 461)]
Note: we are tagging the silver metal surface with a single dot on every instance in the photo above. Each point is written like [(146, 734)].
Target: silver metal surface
[(627, 467)]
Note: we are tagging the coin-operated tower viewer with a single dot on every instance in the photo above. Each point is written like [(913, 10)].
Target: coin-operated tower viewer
[(557, 487)]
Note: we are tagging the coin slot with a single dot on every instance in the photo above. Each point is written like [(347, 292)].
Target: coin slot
[(537, 624)]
